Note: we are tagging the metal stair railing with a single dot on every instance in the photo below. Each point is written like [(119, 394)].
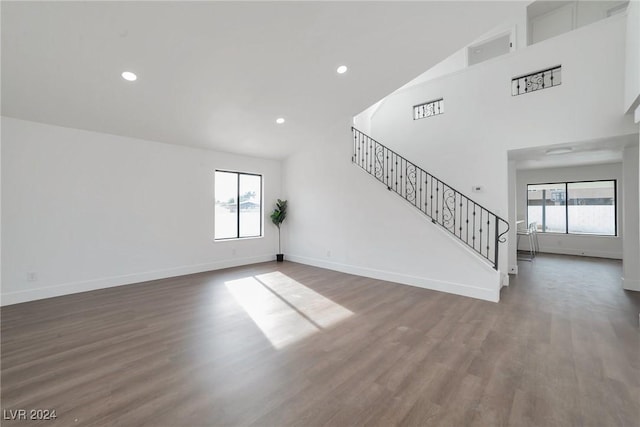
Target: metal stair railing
[(471, 223)]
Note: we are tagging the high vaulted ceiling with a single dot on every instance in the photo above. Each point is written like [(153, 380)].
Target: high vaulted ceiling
[(217, 74)]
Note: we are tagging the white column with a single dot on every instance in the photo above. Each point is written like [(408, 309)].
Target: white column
[(512, 200), (631, 219)]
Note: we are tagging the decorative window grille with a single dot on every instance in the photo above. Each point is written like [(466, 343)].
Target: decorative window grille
[(536, 81), (428, 109)]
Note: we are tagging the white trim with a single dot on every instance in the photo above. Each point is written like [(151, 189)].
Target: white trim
[(580, 252), (127, 279), (492, 295), (504, 280), (631, 284)]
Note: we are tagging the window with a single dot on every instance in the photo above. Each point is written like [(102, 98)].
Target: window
[(536, 81), (428, 109), (587, 207), (489, 49), (238, 207)]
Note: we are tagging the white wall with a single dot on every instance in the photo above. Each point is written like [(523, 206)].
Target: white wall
[(85, 210), (552, 23), (457, 61), (573, 244), (343, 219), (631, 220), (632, 64), (562, 16), (468, 144)]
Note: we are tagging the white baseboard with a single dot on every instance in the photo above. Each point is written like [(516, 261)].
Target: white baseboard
[(631, 284), (504, 280), (492, 295), (127, 279), (581, 252)]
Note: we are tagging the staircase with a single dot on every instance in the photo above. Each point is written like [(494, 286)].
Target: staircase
[(471, 223)]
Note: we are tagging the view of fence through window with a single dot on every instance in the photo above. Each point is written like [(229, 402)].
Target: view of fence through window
[(238, 205), (573, 207)]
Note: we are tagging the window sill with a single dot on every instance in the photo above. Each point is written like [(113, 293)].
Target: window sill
[(550, 233), (235, 239)]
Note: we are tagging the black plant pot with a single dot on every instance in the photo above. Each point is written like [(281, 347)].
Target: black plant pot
[(279, 257)]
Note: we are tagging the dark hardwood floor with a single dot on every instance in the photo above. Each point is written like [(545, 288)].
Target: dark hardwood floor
[(279, 345)]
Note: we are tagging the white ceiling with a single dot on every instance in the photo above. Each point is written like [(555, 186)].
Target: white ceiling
[(218, 74)]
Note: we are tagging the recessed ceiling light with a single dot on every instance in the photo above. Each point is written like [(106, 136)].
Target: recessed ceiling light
[(554, 151), (129, 76), (280, 120), (342, 69)]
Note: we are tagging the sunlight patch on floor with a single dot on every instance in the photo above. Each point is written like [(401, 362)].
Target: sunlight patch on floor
[(285, 310)]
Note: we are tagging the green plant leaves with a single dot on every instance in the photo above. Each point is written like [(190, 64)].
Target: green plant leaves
[(279, 213)]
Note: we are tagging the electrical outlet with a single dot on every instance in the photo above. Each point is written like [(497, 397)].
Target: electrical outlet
[(32, 276), (328, 254), (233, 251)]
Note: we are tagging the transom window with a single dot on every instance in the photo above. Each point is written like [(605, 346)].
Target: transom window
[(586, 207), (238, 207), (428, 109)]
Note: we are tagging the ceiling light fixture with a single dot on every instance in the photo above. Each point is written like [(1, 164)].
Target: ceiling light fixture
[(129, 76), (562, 150), (280, 120), (342, 69)]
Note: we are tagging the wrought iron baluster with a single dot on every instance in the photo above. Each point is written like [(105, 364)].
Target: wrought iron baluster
[(419, 180), (467, 222), (362, 151), (488, 231), (480, 237), (454, 214), (536, 81), (460, 222), (386, 167), (428, 109), (473, 228), (371, 156), (366, 154), (438, 202), (407, 181), (444, 205), (353, 156), (431, 197), (366, 151), (495, 242), (396, 172), (426, 192), (402, 193)]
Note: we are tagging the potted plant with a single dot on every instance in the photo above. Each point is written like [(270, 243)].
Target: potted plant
[(277, 217)]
